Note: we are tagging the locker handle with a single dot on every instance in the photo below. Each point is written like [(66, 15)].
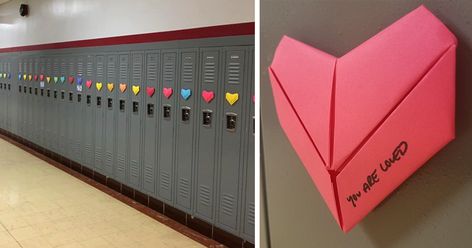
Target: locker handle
[(135, 107), (62, 95), (99, 101), (166, 112), (207, 114), (150, 110), (185, 114), (79, 97), (71, 96), (110, 103), (231, 121), (122, 105), (89, 100), (48, 93), (55, 94)]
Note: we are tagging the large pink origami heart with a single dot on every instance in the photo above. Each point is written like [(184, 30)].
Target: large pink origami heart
[(167, 92), (364, 122), (150, 91), (208, 95), (88, 83)]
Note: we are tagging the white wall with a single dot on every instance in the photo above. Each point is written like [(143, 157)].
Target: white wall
[(66, 20)]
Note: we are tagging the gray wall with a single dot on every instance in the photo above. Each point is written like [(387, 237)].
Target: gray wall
[(433, 208)]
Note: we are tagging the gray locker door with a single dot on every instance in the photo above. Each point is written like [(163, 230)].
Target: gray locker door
[(79, 109), (186, 128), (89, 116), (110, 113), (42, 103), (122, 129), (2, 98), (70, 107), (167, 118), (231, 150), (53, 104), (13, 96), (24, 100), (62, 102), (19, 90), (248, 211), (37, 102), (150, 123), (99, 106), (208, 125), (136, 107), (30, 101)]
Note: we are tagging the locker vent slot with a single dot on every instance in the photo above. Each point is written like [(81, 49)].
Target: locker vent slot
[(184, 188), (227, 204), (165, 180), (205, 195), (251, 213)]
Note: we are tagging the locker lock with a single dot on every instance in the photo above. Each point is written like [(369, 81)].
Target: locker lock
[(79, 97), (42, 92), (185, 114), (30, 90), (122, 105), (110, 103), (166, 111), (207, 118), (48, 93), (19, 88), (36, 91), (89, 100), (99, 101), (135, 107), (55, 93), (150, 109), (62, 95), (9, 86), (231, 121), (71, 96)]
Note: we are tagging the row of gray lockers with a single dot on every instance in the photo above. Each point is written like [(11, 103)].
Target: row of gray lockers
[(174, 120)]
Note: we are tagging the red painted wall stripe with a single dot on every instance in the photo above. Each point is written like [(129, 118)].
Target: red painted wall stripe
[(184, 34)]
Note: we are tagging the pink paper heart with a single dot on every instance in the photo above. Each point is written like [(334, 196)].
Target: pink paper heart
[(41, 77), (88, 83), (208, 95), (71, 79), (35, 77), (150, 91), (167, 92)]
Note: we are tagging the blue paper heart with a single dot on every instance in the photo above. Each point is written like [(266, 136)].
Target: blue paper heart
[(63, 79), (19, 76), (185, 93), (79, 80), (9, 75)]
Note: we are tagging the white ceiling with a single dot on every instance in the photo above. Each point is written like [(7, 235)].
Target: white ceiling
[(4, 1)]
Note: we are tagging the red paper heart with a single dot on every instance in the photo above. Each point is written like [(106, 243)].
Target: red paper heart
[(88, 83), (150, 91), (208, 95), (167, 92), (36, 77), (71, 79), (41, 77)]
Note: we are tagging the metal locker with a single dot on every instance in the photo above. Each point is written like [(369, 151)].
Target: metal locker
[(187, 85), (31, 104), (62, 105), (79, 108), (230, 161), (89, 112), (248, 209), (2, 98), (37, 102), (52, 102), (136, 107), (99, 109), (110, 110), (42, 102), (21, 106), (209, 115), (150, 123), (122, 129), (70, 105), (12, 97), (167, 118)]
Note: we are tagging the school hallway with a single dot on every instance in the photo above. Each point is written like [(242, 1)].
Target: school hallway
[(43, 206)]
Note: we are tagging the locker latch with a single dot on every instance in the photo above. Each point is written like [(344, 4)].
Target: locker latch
[(79, 97), (135, 107), (71, 96), (89, 100), (42, 92), (30, 90), (55, 94), (62, 95), (150, 109), (207, 118), (122, 105), (19, 88), (185, 114), (9, 86), (166, 111), (110, 103), (231, 121), (24, 89), (48, 93), (36, 91), (99, 101), (253, 125)]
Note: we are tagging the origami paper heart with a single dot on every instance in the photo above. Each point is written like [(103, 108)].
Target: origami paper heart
[(48, 79), (167, 92), (232, 98), (35, 77), (30, 77), (208, 96), (110, 86), (19, 76), (24, 77), (41, 77), (135, 89), (63, 79), (9, 76), (79, 87), (88, 83), (185, 93), (71, 79), (79, 80), (364, 122), (98, 86), (123, 88), (55, 79), (150, 91)]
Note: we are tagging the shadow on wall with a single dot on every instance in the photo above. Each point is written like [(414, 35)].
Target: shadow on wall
[(429, 190)]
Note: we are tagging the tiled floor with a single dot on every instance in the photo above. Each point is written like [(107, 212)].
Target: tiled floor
[(42, 206)]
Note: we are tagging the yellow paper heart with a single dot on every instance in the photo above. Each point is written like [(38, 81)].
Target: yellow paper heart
[(99, 86), (24, 77), (135, 89), (232, 98), (48, 79), (4, 75), (30, 77), (110, 86)]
